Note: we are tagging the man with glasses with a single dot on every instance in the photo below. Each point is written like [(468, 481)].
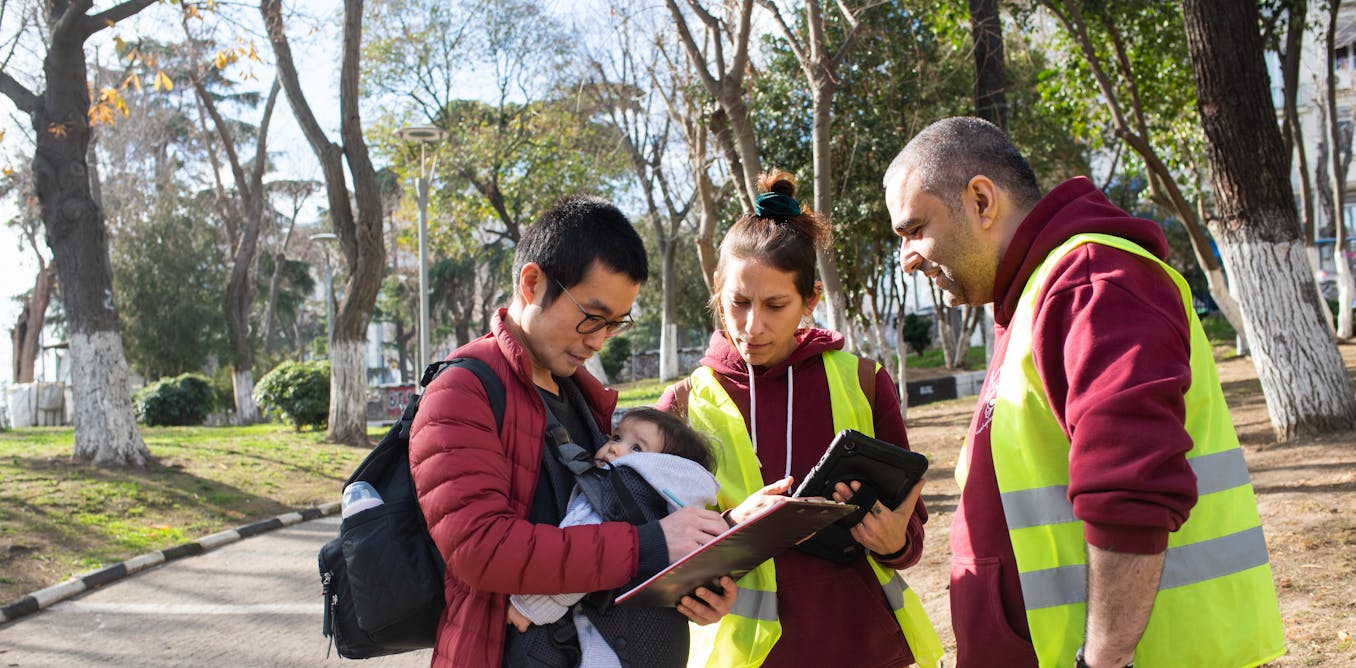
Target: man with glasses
[(493, 500)]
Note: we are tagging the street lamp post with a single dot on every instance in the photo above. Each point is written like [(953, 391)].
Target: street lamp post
[(326, 238), (423, 134)]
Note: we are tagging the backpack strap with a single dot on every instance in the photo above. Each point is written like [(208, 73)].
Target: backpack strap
[(866, 377), (494, 388), (579, 462)]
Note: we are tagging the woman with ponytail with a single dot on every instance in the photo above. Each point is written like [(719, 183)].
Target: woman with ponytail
[(770, 395)]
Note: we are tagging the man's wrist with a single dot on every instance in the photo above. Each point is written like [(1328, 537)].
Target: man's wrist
[(1080, 662)]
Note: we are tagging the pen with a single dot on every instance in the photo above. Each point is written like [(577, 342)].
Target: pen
[(674, 498)]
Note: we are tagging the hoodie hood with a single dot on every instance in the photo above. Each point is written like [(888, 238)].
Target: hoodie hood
[(724, 359), (1074, 207)]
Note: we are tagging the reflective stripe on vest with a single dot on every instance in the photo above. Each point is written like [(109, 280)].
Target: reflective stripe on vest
[(746, 635), (1216, 604)]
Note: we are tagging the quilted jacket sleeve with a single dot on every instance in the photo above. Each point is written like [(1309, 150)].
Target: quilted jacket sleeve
[(475, 488)]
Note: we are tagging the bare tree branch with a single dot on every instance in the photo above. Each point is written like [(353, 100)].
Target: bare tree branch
[(112, 15), (23, 98)]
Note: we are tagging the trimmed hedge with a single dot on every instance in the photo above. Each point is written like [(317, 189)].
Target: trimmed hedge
[(297, 391), (182, 400)]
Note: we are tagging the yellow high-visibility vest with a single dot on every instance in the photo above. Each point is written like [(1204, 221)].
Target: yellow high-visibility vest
[(1216, 604), (746, 635)]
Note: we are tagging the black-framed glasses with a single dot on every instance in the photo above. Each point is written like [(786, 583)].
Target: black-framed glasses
[(593, 322)]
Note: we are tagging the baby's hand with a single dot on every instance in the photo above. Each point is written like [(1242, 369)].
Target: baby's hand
[(517, 619)]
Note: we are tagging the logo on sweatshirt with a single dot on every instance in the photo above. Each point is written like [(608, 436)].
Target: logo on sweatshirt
[(988, 400)]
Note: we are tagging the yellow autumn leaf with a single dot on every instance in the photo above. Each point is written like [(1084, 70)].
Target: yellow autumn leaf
[(7, 171), (132, 80), (162, 81), (2, 135), (57, 129), (133, 55), (222, 60), (119, 43)]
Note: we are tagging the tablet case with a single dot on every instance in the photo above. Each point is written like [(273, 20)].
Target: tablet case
[(738, 550), (887, 472)]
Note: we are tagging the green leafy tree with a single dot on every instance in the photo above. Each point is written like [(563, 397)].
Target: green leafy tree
[(905, 72), (168, 274)]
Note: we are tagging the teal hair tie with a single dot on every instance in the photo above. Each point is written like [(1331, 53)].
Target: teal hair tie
[(776, 205)]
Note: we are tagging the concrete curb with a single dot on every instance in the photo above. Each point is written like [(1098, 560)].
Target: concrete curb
[(81, 583)]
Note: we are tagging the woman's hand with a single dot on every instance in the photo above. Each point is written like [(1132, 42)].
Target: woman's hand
[(705, 606), (761, 499), (883, 531)]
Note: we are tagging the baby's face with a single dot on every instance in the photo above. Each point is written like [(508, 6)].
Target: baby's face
[(631, 436)]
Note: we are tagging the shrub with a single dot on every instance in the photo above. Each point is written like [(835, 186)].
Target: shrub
[(182, 400), (614, 356), (298, 391), (917, 332)]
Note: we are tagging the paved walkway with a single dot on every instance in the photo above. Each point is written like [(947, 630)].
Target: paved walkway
[(255, 602)]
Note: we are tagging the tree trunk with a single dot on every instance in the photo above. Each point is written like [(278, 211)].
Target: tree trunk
[(901, 355), (668, 339), (821, 137), (1303, 379), (27, 332), (360, 235), (248, 205), (708, 212), (1341, 159), (986, 27), (105, 431)]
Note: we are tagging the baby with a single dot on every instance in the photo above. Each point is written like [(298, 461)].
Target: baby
[(674, 460)]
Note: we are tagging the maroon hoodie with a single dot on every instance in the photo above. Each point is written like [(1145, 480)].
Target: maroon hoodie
[(812, 591), (1112, 346)]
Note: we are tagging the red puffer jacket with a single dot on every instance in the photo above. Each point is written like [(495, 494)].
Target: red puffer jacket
[(476, 487)]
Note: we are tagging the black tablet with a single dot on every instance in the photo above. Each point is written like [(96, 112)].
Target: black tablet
[(888, 470)]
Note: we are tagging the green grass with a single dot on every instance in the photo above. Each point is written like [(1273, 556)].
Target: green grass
[(932, 359), (1218, 330), (640, 393), (59, 517)]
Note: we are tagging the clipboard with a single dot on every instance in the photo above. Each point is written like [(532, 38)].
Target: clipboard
[(738, 550)]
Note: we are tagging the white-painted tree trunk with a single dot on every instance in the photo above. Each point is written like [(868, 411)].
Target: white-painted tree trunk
[(668, 351), (246, 411), (1316, 266), (105, 431), (1346, 290), (1302, 375), (348, 392), (1228, 305), (594, 365), (901, 353)]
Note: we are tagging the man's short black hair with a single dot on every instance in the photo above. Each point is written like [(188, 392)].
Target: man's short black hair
[(950, 152), (574, 232)]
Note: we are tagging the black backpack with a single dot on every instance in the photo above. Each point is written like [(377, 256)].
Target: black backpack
[(383, 576)]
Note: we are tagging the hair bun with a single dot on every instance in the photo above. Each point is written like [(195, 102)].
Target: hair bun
[(777, 181)]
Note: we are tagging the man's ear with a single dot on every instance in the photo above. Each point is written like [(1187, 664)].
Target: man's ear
[(984, 193), (531, 282)]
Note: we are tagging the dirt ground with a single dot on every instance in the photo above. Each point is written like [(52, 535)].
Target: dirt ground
[(1306, 491)]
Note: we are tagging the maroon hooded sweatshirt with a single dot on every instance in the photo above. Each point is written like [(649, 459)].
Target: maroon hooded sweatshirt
[(1112, 346), (813, 592)]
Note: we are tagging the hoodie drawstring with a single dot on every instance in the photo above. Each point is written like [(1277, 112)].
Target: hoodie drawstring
[(790, 387), (753, 415)]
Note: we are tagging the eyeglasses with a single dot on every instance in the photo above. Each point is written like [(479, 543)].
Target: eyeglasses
[(593, 322)]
